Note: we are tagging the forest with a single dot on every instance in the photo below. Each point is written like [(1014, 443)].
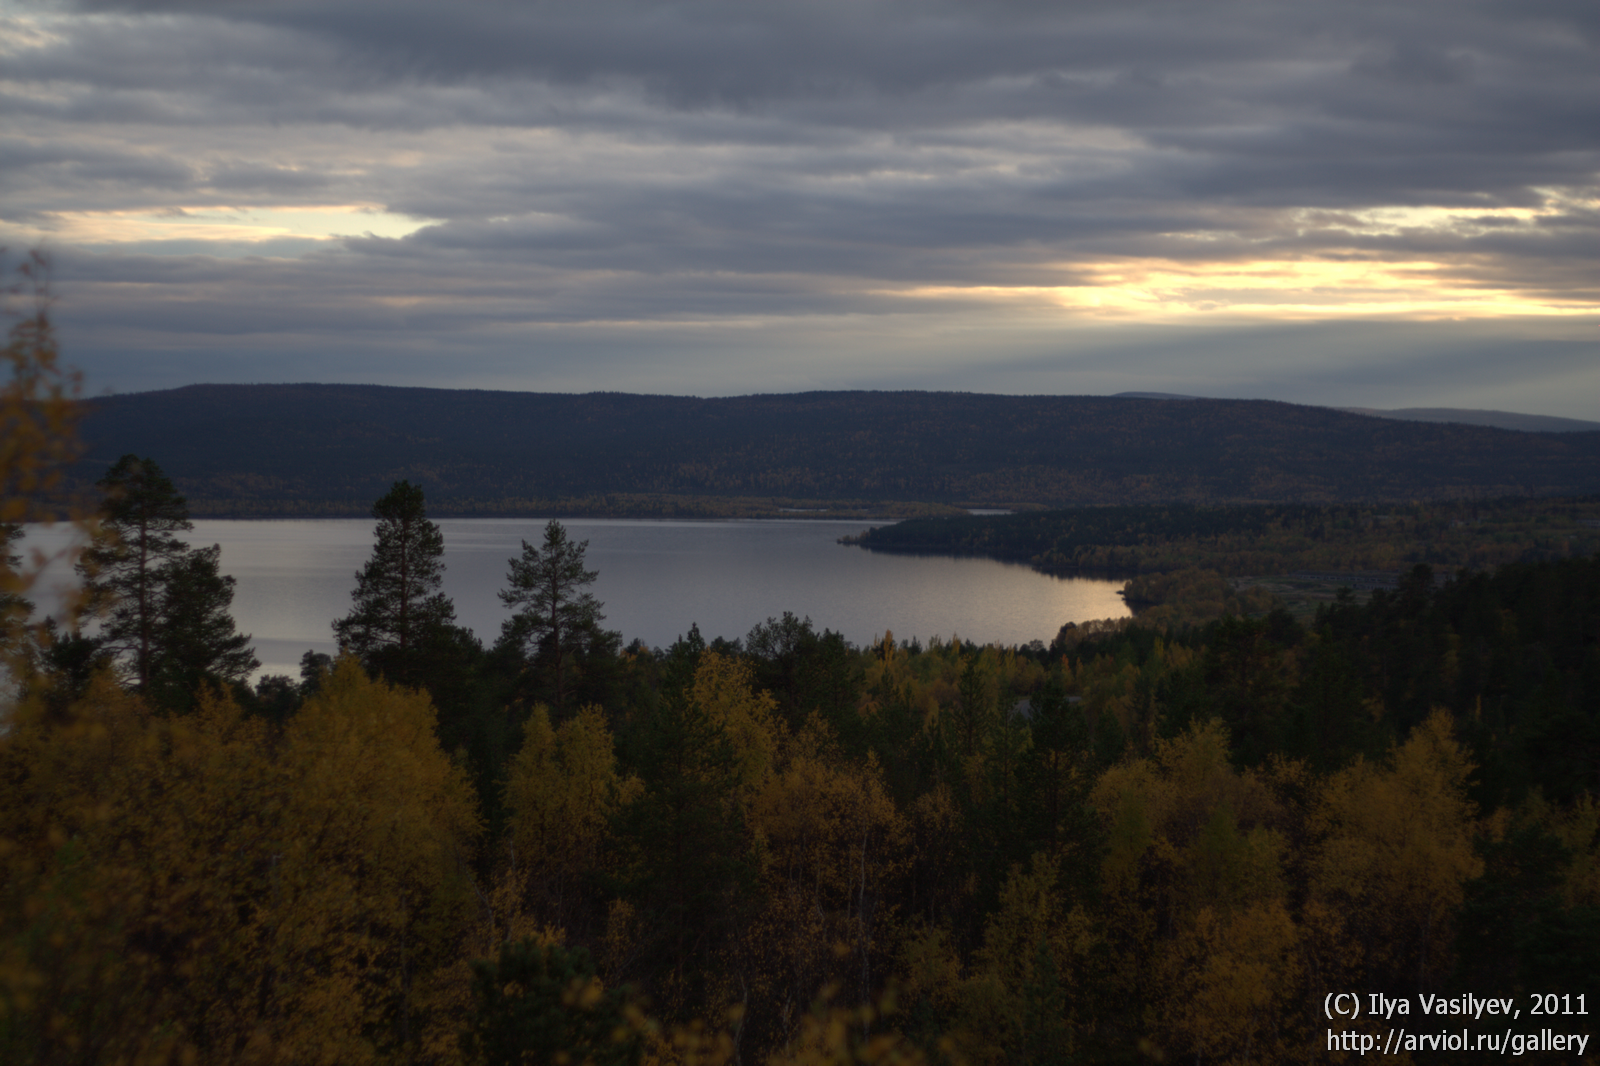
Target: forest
[(305, 450), (1189, 563), (1157, 841)]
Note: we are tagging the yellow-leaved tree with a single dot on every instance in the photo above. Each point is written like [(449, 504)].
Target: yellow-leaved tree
[(379, 830), (197, 888), (1196, 901), (1394, 855), (724, 688), (833, 850), (562, 789)]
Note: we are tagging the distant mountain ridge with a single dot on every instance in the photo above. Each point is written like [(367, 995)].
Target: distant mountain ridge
[(332, 449), (1498, 419), (1465, 416)]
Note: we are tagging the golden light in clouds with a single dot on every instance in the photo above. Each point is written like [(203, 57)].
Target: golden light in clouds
[(1460, 221), (223, 224), (1285, 289), (1290, 289), (1363, 283)]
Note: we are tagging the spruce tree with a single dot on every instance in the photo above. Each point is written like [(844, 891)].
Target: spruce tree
[(398, 608)]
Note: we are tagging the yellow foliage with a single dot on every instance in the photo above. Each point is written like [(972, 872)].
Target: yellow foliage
[(890, 670), (39, 411), (561, 790), (187, 883), (694, 1044), (929, 969), (1030, 911), (1235, 980), (825, 823), (1396, 854), (1578, 829), (39, 414), (366, 764), (841, 1036), (1182, 811), (994, 998), (724, 687), (834, 846), (1196, 898)]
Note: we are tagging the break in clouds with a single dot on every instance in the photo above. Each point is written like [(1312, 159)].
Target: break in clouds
[(1383, 205)]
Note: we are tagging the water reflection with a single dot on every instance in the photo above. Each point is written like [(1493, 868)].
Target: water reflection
[(656, 578)]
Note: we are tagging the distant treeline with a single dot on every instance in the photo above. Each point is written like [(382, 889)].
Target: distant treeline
[(1262, 538), (330, 449)]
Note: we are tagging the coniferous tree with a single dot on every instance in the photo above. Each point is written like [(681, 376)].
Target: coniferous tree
[(542, 1003), (687, 864), (195, 635), (168, 604), (399, 608), (558, 617), (123, 568), (14, 606)]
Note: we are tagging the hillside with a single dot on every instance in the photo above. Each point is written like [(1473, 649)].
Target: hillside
[(332, 449), (1498, 419)]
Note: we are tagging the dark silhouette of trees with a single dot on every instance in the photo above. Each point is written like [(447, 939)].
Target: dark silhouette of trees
[(167, 604), (557, 619), (543, 1003), (195, 634), (398, 606)]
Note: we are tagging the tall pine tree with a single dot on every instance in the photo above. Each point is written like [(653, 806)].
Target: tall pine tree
[(166, 604), (123, 567), (399, 610), (195, 635), (558, 618)]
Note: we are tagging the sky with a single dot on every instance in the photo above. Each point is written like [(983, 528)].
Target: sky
[(1348, 203)]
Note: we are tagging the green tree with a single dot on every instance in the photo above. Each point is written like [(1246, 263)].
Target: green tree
[(557, 617), (687, 863), (195, 633), (14, 606), (124, 567), (543, 1003), (398, 605)]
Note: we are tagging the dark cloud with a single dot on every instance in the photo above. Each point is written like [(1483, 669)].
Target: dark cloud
[(784, 171)]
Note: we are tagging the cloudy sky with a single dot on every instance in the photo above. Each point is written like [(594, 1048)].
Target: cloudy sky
[(1376, 204)]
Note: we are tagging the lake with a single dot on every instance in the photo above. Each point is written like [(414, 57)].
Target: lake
[(656, 578)]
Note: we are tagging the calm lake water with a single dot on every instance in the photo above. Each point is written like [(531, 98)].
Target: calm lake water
[(656, 578)]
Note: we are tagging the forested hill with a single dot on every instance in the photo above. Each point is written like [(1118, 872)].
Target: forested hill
[(330, 449)]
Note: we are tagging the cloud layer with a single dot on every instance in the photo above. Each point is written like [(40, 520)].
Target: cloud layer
[(1322, 201)]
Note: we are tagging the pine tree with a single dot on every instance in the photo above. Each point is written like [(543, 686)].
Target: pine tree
[(14, 606), (398, 607), (195, 634), (559, 618), (123, 567)]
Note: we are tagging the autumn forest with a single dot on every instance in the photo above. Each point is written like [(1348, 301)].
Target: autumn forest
[(1168, 839)]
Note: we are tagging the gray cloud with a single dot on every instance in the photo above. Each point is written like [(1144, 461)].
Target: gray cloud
[(895, 180)]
